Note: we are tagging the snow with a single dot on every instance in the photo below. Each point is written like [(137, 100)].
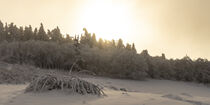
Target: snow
[(119, 92)]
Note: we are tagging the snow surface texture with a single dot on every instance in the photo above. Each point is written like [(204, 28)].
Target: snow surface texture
[(119, 92)]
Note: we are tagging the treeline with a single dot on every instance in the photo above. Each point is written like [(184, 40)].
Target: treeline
[(10, 33), (108, 58)]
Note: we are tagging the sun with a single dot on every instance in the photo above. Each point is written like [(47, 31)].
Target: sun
[(107, 19)]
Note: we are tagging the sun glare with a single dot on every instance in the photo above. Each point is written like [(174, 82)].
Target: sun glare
[(107, 19)]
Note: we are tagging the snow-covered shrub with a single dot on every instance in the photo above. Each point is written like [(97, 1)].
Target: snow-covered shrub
[(68, 83)]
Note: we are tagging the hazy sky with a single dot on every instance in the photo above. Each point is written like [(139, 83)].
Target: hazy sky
[(173, 27)]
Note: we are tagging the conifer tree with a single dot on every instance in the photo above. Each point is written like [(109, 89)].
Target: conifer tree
[(6, 32), (28, 33), (2, 37), (86, 38), (120, 44), (128, 47), (68, 39), (35, 33), (163, 56), (41, 35), (56, 35), (93, 40), (10, 36), (100, 43), (113, 43), (21, 34), (133, 48)]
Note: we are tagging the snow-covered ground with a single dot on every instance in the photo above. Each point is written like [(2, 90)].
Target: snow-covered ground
[(9, 92), (119, 92)]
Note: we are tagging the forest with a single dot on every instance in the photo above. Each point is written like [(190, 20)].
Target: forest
[(50, 49)]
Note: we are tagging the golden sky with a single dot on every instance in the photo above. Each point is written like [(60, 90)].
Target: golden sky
[(173, 27)]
